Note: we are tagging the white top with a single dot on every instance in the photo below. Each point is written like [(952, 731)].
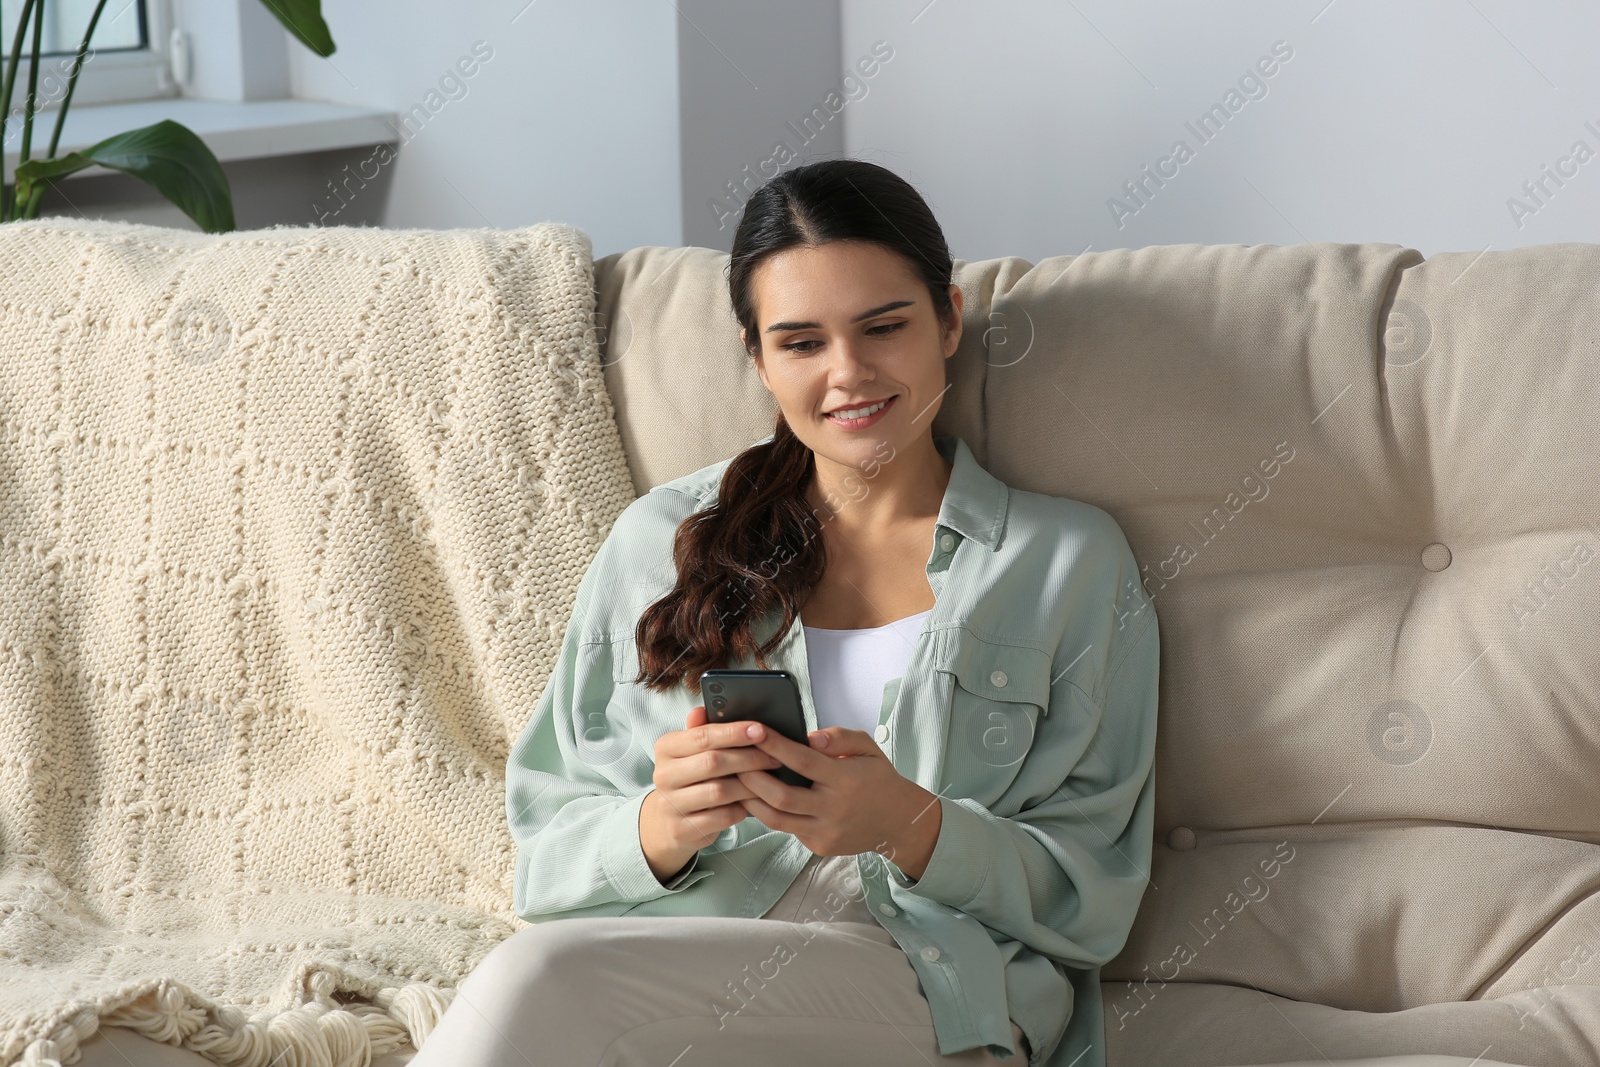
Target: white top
[(850, 668)]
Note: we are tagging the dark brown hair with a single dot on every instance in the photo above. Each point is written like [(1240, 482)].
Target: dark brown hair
[(757, 546)]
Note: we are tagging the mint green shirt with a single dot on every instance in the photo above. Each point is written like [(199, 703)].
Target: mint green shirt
[(1028, 707)]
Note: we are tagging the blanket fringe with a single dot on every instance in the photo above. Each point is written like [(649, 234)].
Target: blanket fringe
[(321, 1030)]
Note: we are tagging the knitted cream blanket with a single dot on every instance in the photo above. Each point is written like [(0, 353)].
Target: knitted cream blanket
[(291, 522)]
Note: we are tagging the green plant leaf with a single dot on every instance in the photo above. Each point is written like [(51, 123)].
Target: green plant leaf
[(303, 18), (167, 156), (35, 169)]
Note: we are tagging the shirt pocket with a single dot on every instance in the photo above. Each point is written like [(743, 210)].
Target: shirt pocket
[(604, 712), (631, 717), (997, 695)]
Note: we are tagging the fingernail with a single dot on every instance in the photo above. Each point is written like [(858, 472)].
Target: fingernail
[(754, 731), (820, 740)]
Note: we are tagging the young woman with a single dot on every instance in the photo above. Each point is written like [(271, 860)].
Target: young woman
[(978, 669)]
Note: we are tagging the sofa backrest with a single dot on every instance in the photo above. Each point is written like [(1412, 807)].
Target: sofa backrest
[(1362, 488)]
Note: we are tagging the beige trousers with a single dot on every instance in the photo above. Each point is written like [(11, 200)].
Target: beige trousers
[(814, 980)]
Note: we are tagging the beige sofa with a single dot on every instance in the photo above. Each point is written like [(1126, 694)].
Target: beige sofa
[(1363, 487)]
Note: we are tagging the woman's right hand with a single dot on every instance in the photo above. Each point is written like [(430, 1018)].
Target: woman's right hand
[(697, 792)]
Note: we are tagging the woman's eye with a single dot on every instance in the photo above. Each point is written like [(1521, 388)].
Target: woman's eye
[(887, 328)]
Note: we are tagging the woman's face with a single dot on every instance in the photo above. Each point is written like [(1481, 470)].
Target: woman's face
[(844, 325)]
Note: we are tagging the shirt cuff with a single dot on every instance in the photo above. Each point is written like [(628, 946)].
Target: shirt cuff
[(622, 857), (960, 860), (677, 880)]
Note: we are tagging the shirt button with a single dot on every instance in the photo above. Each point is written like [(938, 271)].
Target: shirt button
[(999, 679), (930, 953), (888, 909), (947, 542), (881, 734)]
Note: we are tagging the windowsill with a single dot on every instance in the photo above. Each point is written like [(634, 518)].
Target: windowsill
[(232, 130)]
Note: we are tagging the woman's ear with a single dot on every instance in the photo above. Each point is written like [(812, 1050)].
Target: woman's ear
[(761, 369), (953, 337), (761, 372)]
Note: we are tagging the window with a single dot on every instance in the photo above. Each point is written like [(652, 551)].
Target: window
[(65, 20), (127, 59)]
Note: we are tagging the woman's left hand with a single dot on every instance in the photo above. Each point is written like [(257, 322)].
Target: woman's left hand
[(857, 801)]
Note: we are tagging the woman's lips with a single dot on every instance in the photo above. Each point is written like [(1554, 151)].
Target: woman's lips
[(861, 424)]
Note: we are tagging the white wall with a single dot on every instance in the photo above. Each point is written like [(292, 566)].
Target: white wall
[(1410, 122), (1022, 121), (572, 118)]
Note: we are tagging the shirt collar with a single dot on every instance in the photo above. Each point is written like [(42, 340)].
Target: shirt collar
[(975, 502)]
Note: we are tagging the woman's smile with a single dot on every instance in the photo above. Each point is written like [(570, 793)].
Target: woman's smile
[(874, 413)]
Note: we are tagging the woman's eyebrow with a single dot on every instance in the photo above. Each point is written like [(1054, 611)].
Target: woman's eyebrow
[(793, 325)]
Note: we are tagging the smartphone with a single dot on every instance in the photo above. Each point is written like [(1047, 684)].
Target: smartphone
[(771, 698)]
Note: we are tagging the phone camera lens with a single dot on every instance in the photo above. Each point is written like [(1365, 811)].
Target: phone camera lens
[(714, 687), (719, 702)]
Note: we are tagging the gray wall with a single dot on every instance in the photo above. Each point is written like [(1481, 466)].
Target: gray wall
[(759, 91)]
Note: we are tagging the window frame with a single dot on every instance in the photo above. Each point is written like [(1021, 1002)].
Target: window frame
[(117, 76)]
